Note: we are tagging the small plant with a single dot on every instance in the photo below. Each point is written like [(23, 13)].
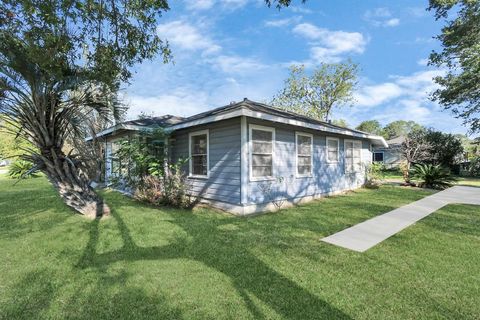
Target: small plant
[(374, 175), (405, 170), (21, 169), (431, 176)]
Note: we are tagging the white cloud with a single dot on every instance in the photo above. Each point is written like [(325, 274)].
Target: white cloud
[(370, 96), (422, 62), (418, 12), (236, 64), (392, 22), (282, 22), (328, 45), (300, 9), (381, 17), (181, 102), (200, 5), (185, 36)]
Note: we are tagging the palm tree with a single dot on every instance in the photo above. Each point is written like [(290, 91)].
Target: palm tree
[(46, 104)]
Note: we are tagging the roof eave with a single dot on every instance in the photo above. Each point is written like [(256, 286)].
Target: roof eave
[(116, 128), (245, 111)]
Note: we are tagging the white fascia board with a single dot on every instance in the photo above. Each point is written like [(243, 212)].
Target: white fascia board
[(265, 116), (116, 128), (380, 140)]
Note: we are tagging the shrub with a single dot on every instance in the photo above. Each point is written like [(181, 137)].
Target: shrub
[(171, 189), (432, 176), (142, 171), (374, 175), (474, 167), (20, 169)]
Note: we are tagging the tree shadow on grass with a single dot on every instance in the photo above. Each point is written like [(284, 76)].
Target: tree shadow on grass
[(206, 244), (32, 295)]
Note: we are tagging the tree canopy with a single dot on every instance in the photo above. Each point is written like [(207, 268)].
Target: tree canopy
[(400, 128), (460, 54), (315, 95), (371, 126)]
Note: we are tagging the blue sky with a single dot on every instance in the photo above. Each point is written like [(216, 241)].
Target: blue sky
[(225, 50)]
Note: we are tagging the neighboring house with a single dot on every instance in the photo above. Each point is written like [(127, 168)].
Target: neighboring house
[(391, 156), (238, 152)]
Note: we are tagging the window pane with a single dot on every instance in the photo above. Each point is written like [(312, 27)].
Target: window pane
[(348, 152), (262, 147), (199, 165), (332, 155), (332, 144), (261, 171), (304, 145), (261, 160), (378, 157), (303, 161), (304, 170), (261, 135), (199, 144), (356, 153)]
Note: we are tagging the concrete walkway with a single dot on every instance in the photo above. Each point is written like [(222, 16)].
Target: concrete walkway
[(367, 234)]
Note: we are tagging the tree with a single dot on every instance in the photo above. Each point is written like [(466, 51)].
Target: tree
[(371, 126), (445, 149), (341, 123), (415, 149), (460, 87), (329, 86), (400, 128), (62, 63)]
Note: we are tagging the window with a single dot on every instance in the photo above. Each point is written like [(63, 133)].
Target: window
[(199, 166), (378, 157), (304, 146), (353, 156), (332, 150), (261, 152)]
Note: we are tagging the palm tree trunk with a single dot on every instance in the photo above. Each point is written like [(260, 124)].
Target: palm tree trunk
[(71, 183)]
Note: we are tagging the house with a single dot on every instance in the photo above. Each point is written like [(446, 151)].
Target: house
[(391, 156), (245, 156)]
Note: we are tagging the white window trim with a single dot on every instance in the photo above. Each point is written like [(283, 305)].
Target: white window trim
[(345, 153), (250, 154), (338, 149), (383, 156), (190, 169), (304, 134)]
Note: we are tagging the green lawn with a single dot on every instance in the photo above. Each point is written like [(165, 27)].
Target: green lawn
[(166, 264)]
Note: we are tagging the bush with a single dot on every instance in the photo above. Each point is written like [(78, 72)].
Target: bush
[(474, 167), (142, 171), (431, 176), (20, 169), (170, 190), (374, 175)]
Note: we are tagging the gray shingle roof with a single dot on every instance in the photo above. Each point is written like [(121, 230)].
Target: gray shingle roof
[(261, 107), (163, 121)]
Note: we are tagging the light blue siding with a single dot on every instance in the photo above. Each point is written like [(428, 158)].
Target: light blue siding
[(223, 183), (224, 180), (326, 177)]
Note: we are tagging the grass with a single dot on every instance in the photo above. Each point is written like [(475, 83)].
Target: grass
[(147, 263)]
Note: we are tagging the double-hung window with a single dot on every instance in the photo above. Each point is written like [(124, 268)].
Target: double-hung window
[(304, 147), (353, 156), (198, 154), (332, 150), (262, 140), (378, 156)]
